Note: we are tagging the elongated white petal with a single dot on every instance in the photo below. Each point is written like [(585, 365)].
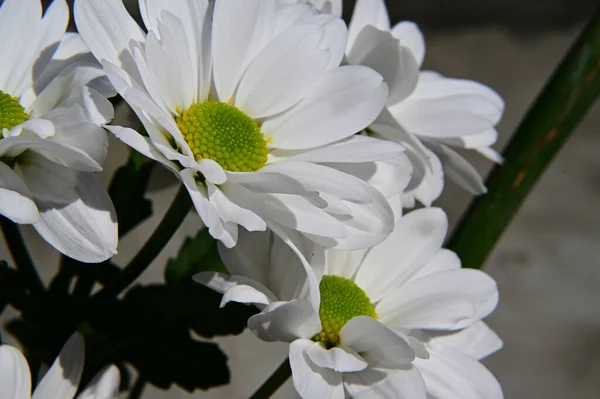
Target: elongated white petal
[(460, 170), (85, 229), (344, 101), (107, 29), (411, 36), (477, 341), (427, 181), (367, 12), (46, 180), (448, 300), (105, 385), (285, 321), (310, 380), (236, 288), (377, 344), (15, 380), (443, 261), (61, 381), (451, 374), (250, 257), (241, 29), (386, 384), (343, 263), (16, 201), (282, 73), (338, 359), (232, 212), (415, 240)]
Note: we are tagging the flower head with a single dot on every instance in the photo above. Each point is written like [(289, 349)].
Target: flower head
[(401, 319), (52, 105), (246, 103), (61, 380)]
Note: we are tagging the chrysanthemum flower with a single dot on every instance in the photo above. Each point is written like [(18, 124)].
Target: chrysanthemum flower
[(248, 106), (400, 320), (426, 112), (52, 105), (62, 379)]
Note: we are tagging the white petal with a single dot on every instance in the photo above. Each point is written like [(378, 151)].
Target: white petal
[(40, 127), (386, 384), (415, 240), (107, 29), (473, 141), (343, 263), (285, 321), (250, 257), (85, 229), (377, 344), (444, 260), (16, 201), (282, 73), (105, 385), (61, 381), (453, 375), (427, 182), (367, 12), (236, 288), (448, 300), (270, 183), (46, 180), (411, 36), (231, 212), (15, 380), (240, 31), (384, 53), (310, 380), (338, 359), (491, 154), (460, 170), (477, 341), (344, 101)]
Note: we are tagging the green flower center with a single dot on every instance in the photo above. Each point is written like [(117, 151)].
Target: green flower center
[(341, 301), (11, 112), (221, 132)]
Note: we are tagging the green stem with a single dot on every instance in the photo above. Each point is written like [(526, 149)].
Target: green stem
[(178, 210), (21, 257), (568, 95), (138, 388), (275, 381)]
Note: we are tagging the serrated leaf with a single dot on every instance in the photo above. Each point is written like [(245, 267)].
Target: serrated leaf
[(127, 190), (197, 254)]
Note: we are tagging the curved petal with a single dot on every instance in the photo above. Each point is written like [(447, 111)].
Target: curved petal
[(15, 379), (367, 13), (411, 36), (310, 380), (386, 384), (477, 341), (46, 180), (236, 288), (105, 385), (16, 201), (460, 170), (85, 229), (61, 381), (415, 240), (453, 375), (344, 101), (285, 321), (250, 257), (338, 359), (446, 301), (232, 212), (443, 261)]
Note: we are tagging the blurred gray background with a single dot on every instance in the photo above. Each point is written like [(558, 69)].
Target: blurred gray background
[(548, 262)]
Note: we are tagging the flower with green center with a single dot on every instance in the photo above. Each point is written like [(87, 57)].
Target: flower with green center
[(223, 133), (341, 301), (12, 112)]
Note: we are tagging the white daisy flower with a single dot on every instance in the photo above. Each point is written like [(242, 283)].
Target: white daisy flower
[(246, 104), (401, 319), (52, 105), (62, 379)]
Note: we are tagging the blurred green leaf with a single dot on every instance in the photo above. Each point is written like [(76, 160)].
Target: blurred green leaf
[(567, 96), (127, 190), (197, 254)]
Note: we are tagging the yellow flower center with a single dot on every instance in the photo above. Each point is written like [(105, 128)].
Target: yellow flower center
[(221, 132), (341, 301), (11, 112)]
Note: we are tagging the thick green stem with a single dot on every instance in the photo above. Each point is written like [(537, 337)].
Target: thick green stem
[(178, 210), (275, 381), (21, 257), (568, 95)]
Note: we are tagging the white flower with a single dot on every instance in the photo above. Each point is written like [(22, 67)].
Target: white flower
[(52, 103), (246, 104), (426, 112), (333, 7), (401, 319), (62, 379)]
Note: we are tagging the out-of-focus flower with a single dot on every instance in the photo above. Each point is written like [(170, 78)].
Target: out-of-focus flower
[(62, 379), (401, 319), (248, 106), (52, 105), (426, 112)]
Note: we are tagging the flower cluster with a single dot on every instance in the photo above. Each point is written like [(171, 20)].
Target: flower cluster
[(300, 141)]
